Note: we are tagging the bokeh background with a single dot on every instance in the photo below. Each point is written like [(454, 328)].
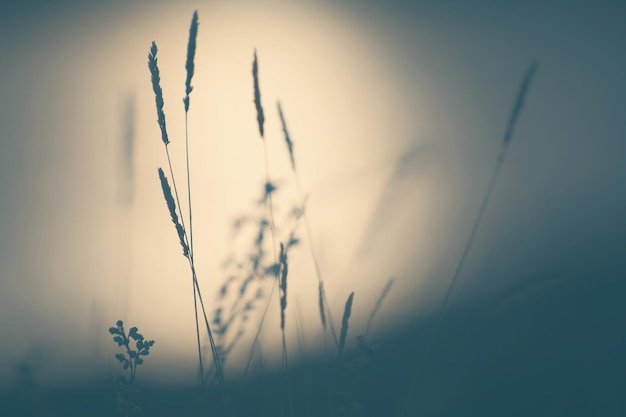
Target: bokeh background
[(397, 111)]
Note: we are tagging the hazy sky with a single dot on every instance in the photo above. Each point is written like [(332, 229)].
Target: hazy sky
[(397, 110)]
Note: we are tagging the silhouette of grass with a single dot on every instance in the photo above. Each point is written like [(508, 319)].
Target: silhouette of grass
[(284, 271), (246, 285), (180, 227), (506, 140), (347, 311), (191, 52), (377, 306), (324, 307)]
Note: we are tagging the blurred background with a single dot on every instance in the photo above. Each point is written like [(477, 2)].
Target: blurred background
[(397, 112)]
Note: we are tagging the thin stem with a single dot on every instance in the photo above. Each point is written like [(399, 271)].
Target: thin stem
[(188, 183), (457, 273), (195, 303), (271, 204), (286, 371), (271, 293), (492, 182), (190, 259), (218, 364), (318, 272), (323, 301), (256, 340), (321, 289)]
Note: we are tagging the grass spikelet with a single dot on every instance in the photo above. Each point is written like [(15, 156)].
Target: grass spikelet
[(379, 302), (158, 92), (189, 65), (171, 205), (519, 103), (283, 285), (321, 304), (191, 52), (257, 95), (282, 262), (287, 137), (344, 324)]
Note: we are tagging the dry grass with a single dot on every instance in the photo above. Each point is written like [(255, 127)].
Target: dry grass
[(347, 312), (341, 400), (506, 140), (184, 237), (257, 96)]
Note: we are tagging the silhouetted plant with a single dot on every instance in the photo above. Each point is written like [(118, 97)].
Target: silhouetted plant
[(506, 140), (347, 311), (172, 198), (246, 284), (130, 360), (352, 367)]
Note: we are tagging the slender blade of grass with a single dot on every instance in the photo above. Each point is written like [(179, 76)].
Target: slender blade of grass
[(189, 65), (379, 302)]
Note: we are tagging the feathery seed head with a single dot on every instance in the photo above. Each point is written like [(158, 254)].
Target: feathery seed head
[(344, 324), (191, 52), (171, 206), (287, 137), (519, 103), (321, 305), (158, 92), (282, 258), (257, 95)]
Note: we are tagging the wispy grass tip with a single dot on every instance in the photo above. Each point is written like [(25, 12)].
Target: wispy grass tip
[(191, 52), (171, 205), (158, 92), (519, 103), (344, 324), (257, 95), (283, 284), (321, 304), (287, 137)]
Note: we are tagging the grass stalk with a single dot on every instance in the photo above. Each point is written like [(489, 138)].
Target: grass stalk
[(347, 311), (324, 306), (180, 227), (517, 108), (379, 302), (184, 243), (284, 268), (270, 207), (191, 51)]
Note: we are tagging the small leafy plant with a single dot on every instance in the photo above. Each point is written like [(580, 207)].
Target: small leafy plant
[(126, 393)]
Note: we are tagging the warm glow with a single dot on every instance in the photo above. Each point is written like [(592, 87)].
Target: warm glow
[(349, 123)]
